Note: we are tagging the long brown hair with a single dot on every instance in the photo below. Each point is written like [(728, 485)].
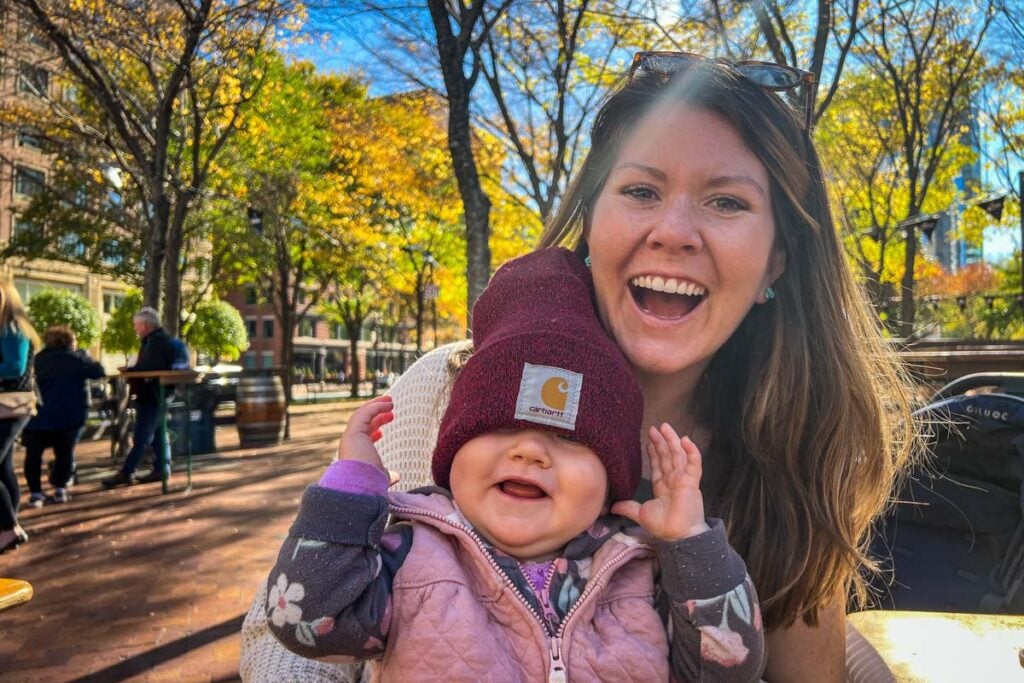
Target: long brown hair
[(12, 314), (823, 405)]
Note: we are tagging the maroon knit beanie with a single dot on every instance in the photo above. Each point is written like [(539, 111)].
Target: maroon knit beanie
[(541, 360)]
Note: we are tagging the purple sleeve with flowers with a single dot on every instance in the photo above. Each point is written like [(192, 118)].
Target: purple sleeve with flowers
[(713, 616), (339, 559)]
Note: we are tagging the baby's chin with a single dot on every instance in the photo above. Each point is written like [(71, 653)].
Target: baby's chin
[(524, 547)]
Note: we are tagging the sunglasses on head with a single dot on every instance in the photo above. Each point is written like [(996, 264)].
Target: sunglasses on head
[(767, 75)]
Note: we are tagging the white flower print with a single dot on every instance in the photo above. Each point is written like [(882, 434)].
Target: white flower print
[(281, 602)]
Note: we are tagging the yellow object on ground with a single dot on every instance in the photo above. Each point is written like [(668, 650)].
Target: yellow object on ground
[(14, 592)]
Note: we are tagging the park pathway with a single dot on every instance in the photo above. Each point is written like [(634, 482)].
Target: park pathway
[(134, 585)]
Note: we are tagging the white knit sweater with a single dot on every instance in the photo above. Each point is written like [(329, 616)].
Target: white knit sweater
[(420, 397)]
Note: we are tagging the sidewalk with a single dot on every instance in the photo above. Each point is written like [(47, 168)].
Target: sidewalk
[(134, 585)]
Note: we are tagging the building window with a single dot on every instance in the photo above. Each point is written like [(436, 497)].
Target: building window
[(22, 229), (250, 328), (112, 301), (29, 31), (29, 288), (250, 295), (307, 327), (268, 328), (71, 245), (249, 359), (28, 182), (27, 138), (111, 253), (268, 359), (33, 80)]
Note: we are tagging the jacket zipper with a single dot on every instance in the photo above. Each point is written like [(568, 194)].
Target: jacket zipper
[(556, 666)]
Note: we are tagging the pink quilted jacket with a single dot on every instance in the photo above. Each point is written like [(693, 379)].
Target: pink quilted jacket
[(490, 633)]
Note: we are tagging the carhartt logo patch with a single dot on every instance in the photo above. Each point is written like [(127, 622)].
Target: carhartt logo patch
[(549, 396)]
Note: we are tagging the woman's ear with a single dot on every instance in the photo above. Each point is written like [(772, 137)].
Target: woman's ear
[(776, 267)]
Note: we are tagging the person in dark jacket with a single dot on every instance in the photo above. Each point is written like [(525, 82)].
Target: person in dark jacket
[(155, 353), (61, 378)]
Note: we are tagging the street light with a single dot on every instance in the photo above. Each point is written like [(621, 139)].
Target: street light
[(424, 279)]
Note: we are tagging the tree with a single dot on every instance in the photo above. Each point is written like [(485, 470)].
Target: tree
[(64, 307), (119, 333), (217, 331), (814, 36), (161, 87), (930, 55), (287, 215)]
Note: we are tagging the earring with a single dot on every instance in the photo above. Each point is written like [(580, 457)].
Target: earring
[(586, 260), (769, 293)]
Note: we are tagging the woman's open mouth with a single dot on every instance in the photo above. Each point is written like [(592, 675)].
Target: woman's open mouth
[(666, 298), (519, 488)]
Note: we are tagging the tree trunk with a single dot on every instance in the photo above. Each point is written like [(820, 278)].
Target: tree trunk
[(153, 275), (353, 350), (907, 285), (476, 205), (172, 273)]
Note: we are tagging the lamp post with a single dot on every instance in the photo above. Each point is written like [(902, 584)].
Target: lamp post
[(424, 279)]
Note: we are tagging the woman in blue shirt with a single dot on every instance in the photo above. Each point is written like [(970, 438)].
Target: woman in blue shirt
[(18, 341)]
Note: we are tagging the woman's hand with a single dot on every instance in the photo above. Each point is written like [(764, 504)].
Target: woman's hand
[(677, 509), (364, 429)]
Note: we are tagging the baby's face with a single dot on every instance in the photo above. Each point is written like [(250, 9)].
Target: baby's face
[(529, 492)]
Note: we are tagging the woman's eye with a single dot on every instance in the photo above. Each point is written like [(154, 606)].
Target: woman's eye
[(728, 204), (642, 192)]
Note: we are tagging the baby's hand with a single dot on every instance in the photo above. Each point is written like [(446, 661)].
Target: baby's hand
[(363, 429), (677, 509)]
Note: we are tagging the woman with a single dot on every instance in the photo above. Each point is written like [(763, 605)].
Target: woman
[(62, 374), (18, 340), (702, 210)]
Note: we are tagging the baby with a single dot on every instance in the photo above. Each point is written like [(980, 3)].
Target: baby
[(526, 562)]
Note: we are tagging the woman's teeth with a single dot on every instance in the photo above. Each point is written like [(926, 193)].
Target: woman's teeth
[(669, 286)]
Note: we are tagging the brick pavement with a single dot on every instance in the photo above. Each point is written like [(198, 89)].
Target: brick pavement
[(134, 585)]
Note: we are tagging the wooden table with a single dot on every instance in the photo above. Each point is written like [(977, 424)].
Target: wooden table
[(14, 592), (886, 645), (172, 378)]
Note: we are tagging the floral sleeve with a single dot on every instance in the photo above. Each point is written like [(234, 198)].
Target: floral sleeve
[(329, 594), (714, 619)]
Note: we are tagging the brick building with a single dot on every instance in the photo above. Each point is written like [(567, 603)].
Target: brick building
[(321, 349), (27, 72)]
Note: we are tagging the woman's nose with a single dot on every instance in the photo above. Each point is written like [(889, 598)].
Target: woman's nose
[(677, 228), (531, 448)]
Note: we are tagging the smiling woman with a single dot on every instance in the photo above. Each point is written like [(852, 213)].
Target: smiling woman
[(772, 361)]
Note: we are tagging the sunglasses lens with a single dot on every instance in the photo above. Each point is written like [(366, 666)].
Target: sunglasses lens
[(770, 76)]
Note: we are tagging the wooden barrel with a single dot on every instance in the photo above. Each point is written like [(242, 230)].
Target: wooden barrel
[(260, 411)]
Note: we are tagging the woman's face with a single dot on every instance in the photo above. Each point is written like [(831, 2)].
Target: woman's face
[(681, 240)]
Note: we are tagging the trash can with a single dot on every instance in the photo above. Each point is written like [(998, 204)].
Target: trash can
[(199, 417)]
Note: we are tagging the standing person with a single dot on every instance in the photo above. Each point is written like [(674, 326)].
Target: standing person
[(704, 214), (156, 352), (515, 554), (18, 341), (62, 374)]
